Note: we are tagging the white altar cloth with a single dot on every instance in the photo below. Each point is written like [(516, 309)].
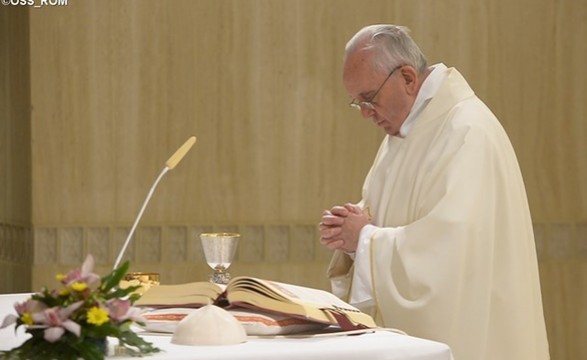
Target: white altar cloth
[(378, 345)]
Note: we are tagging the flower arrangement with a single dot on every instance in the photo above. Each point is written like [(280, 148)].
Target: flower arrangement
[(75, 321)]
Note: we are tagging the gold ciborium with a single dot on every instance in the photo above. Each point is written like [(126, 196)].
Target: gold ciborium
[(219, 250), (143, 279)]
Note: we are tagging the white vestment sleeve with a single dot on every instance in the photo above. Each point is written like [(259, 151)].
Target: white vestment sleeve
[(361, 291)]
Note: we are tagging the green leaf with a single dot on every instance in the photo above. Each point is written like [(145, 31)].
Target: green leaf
[(131, 338), (113, 279), (134, 297), (121, 293)]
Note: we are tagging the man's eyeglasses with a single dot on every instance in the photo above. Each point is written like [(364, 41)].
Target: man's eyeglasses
[(368, 104)]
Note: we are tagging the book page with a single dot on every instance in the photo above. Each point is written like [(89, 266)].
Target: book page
[(288, 292), (191, 294), (315, 297), (315, 304)]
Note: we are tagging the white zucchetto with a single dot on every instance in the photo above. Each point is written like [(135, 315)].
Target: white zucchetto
[(209, 325)]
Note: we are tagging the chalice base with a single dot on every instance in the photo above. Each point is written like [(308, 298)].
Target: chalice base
[(220, 276)]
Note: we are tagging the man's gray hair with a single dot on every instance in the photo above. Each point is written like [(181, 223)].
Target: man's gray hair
[(391, 44)]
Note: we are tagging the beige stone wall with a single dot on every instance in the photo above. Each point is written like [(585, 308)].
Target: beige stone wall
[(16, 244), (288, 252), (96, 95)]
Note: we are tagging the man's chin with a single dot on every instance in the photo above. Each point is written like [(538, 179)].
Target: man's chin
[(390, 131)]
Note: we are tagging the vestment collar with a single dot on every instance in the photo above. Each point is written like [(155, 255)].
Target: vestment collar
[(429, 88)]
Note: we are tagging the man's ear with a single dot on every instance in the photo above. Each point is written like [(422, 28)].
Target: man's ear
[(410, 77)]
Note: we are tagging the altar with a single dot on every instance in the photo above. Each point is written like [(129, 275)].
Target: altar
[(373, 345)]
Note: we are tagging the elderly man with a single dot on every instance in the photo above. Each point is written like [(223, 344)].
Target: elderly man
[(449, 252)]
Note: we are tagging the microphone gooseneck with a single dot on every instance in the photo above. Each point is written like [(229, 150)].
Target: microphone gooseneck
[(169, 165)]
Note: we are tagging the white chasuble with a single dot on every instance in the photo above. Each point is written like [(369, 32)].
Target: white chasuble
[(454, 259)]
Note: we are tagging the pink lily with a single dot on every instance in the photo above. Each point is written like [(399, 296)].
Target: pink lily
[(30, 306), (8, 320), (84, 274), (56, 320), (120, 310)]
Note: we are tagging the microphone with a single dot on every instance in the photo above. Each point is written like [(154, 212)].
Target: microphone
[(169, 165)]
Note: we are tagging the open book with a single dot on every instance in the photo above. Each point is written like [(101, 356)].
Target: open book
[(264, 295)]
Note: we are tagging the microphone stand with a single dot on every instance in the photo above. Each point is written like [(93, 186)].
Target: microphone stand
[(134, 226), (169, 164)]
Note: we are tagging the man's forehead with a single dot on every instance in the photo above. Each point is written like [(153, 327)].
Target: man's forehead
[(359, 58), (359, 72)]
